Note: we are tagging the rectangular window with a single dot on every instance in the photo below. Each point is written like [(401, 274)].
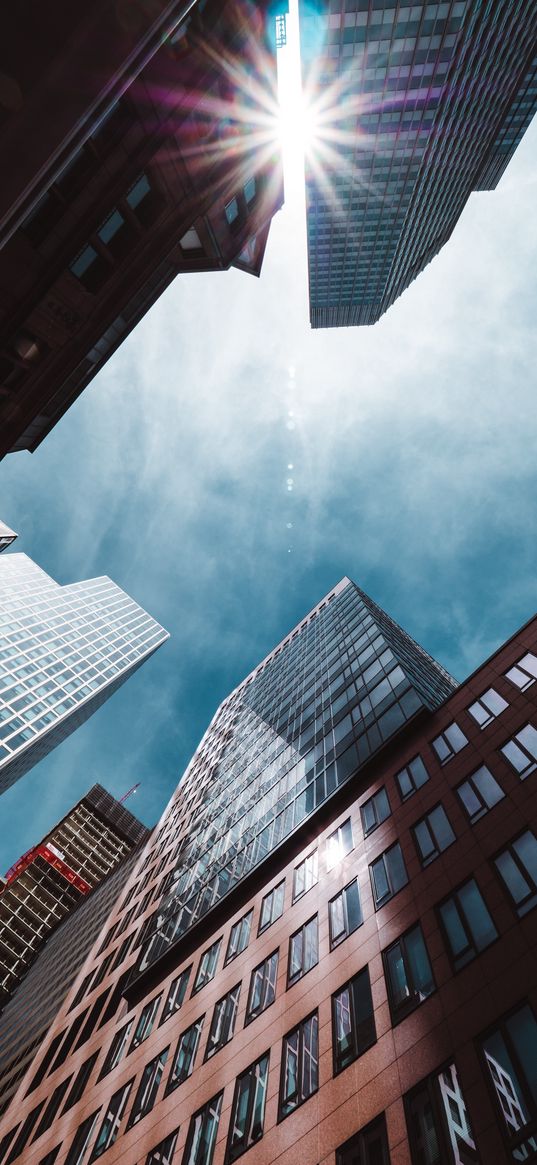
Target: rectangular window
[(185, 1055), (305, 876), (524, 673), (517, 867), (408, 973), (300, 1065), (110, 1126), (339, 844), (510, 1059), (374, 811), (303, 950), (388, 875), (467, 924), (81, 1140), (163, 1153), (521, 751), (479, 793), (248, 1111), (202, 1133), (117, 1049), (433, 834), (207, 966), (91, 269), (148, 1088), (52, 1107), (368, 1147), (262, 987), (144, 1027), (176, 995), (345, 913), (438, 1124), (271, 907), (223, 1021), (412, 777), (487, 707), (239, 937), (353, 1021), (80, 1081), (449, 743)]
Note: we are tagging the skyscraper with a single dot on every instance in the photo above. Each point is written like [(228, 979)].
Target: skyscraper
[(419, 105), (173, 167), (48, 881), (360, 986), (64, 651), (7, 536)]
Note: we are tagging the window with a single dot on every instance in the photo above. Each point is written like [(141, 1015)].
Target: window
[(24, 1133), (80, 1081), (510, 1058), (52, 1107), (249, 190), (467, 924), (248, 1111), (110, 1126), (232, 211), (353, 1022), (50, 1157), (163, 1153), (202, 1133), (223, 1021), (374, 811), (524, 673), (517, 867), (145, 1023), (116, 234), (408, 973), (412, 777), (388, 875), (207, 966), (305, 876), (368, 1147), (449, 742), (176, 995), (437, 1121), (479, 793), (345, 913), (117, 1049), (488, 707), (271, 907), (91, 269), (339, 844), (300, 1065), (148, 1088), (521, 751), (81, 1140), (303, 951), (185, 1055), (432, 835), (239, 937), (262, 987)]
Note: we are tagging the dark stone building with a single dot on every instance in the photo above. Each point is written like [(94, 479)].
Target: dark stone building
[(165, 166)]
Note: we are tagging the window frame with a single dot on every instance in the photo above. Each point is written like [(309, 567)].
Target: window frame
[(357, 1051), (197, 985), (338, 837), (426, 861), (368, 830), (231, 1154), (443, 736), (490, 715), (454, 894), (227, 1021), (262, 927), (197, 1028), (430, 1085), (205, 1110), (399, 1013), (148, 1086), (358, 1142), (472, 818), (239, 924), (381, 857), (500, 1026), (167, 1014), (249, 1017), (522, 774), (341, 894), (291, 980), (115, 1123), (298, 1028), (518, 666), (314, 857), (508, 847)]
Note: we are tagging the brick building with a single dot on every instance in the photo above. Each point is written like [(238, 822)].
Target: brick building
[(327, 949)]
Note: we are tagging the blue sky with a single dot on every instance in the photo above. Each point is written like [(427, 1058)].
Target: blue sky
[(413, 447)]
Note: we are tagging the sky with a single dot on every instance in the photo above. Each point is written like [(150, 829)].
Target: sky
[(414, 472)]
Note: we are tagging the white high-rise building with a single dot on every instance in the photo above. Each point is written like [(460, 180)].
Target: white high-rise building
[(63, 651)]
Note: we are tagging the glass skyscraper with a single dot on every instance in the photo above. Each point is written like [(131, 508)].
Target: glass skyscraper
[(63, 651), (420, 104), (302, 725)]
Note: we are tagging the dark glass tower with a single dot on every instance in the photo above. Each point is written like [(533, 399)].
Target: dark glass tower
[(424, 103), (302, 725)]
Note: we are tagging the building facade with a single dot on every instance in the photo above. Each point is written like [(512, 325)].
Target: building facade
[(64, 651), (7, 536), (48, 881), (363, 989), (180, 172), (419, 105), (27, 1016)]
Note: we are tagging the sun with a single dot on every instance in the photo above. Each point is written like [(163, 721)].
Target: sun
[(297, 125)]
